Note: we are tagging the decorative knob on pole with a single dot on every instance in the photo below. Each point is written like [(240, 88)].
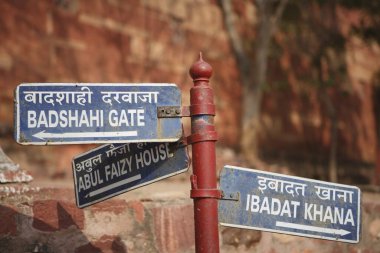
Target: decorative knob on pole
[(200, 70)]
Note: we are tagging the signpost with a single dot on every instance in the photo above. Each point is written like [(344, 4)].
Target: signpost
[(286, 204), (141, 123), (63, 113), (116, 168)]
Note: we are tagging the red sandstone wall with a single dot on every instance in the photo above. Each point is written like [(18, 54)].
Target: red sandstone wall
[(296, 122), (111, 41), (48, 219), (157, 41)]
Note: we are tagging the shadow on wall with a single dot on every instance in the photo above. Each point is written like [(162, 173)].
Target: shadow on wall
[(58, 232)]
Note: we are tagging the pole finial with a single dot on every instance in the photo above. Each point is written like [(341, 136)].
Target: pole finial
[(200, 70)]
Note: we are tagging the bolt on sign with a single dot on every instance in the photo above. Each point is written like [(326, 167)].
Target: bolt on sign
[(273, 202), (75, 113), (113, 169)]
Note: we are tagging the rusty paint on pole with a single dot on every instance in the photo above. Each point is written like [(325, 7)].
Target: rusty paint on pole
[(203, 181)]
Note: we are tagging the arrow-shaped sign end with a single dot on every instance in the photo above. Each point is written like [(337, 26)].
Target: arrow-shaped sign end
[(340, 232), (43, 135), (40, 135), (343, 232)]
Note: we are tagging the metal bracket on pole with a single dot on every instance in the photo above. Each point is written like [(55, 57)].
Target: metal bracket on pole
[(230, 196), (196, 193), (185, 111), (169, 112)]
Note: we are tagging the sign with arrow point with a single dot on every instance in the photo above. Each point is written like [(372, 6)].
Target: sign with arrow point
[(273, 202), (75, 113)]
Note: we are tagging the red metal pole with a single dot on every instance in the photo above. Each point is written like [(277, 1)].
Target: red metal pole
[(203, 138)]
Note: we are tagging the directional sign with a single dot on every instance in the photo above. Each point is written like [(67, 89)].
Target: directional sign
[(57, 113), (291, 205), (116, 168)]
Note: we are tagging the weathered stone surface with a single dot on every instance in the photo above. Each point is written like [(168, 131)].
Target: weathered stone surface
[(173, 227), (138, 210), (374, 229), (237, 237), (8, 225), (52, 215), (105, 221), (11, 172), (105, 244), (157, 225)]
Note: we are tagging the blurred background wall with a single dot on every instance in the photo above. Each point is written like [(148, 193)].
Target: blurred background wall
[(321, 88), (110, 41)]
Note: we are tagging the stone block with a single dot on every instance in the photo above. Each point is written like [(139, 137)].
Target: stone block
[(101, 220), (138, 210), (116, 206), (173, 227), (106, 244), (52, 215), (8, 224)]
